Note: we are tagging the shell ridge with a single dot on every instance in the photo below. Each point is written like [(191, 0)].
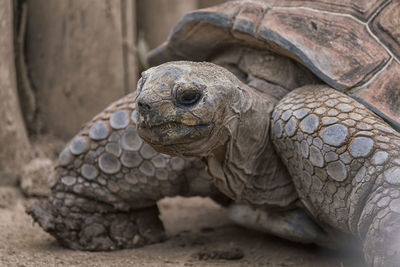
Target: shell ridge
[(356, 88), (268, 34), (259, 25), (378, 10), (324, 12), (214, 18), (381, 44), (372, 74)]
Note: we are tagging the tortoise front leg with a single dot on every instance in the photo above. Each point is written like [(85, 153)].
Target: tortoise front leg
[(345, 163), (380, 226), (105, 189)]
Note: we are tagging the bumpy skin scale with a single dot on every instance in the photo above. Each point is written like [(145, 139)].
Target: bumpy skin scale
[(345, 164), (105, 189)]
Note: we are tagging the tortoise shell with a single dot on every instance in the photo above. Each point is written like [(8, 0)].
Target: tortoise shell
[(352, 45)]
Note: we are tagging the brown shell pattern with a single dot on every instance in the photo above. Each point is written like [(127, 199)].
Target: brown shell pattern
[(352, 45)]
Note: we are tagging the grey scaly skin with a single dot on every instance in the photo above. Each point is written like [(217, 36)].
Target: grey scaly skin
[(345, 164), (343, 160), (107, 183)]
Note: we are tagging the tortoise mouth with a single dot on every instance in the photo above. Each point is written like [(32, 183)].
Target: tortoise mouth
[(174, 132)]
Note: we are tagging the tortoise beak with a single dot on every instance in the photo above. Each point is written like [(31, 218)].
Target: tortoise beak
[(155, 113)]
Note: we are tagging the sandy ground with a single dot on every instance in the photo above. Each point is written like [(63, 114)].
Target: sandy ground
[(197, 228)]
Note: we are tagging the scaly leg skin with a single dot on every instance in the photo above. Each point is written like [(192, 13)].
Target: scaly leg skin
[(345, 163), (105, 189)]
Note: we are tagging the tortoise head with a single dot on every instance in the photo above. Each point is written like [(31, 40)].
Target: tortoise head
[(181, 105)]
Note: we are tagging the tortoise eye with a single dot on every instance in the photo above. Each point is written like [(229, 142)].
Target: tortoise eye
[(188, 97)]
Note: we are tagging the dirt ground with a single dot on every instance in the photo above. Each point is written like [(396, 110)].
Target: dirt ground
[(199, 234)]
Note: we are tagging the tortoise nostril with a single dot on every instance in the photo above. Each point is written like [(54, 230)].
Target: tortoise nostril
[(144, 106)]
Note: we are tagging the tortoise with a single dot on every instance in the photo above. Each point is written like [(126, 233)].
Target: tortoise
[(286, 112)]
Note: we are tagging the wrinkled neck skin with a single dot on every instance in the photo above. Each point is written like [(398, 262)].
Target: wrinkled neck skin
[(245, 166)]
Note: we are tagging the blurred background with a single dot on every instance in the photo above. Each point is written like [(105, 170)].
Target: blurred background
[(81, 55)]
